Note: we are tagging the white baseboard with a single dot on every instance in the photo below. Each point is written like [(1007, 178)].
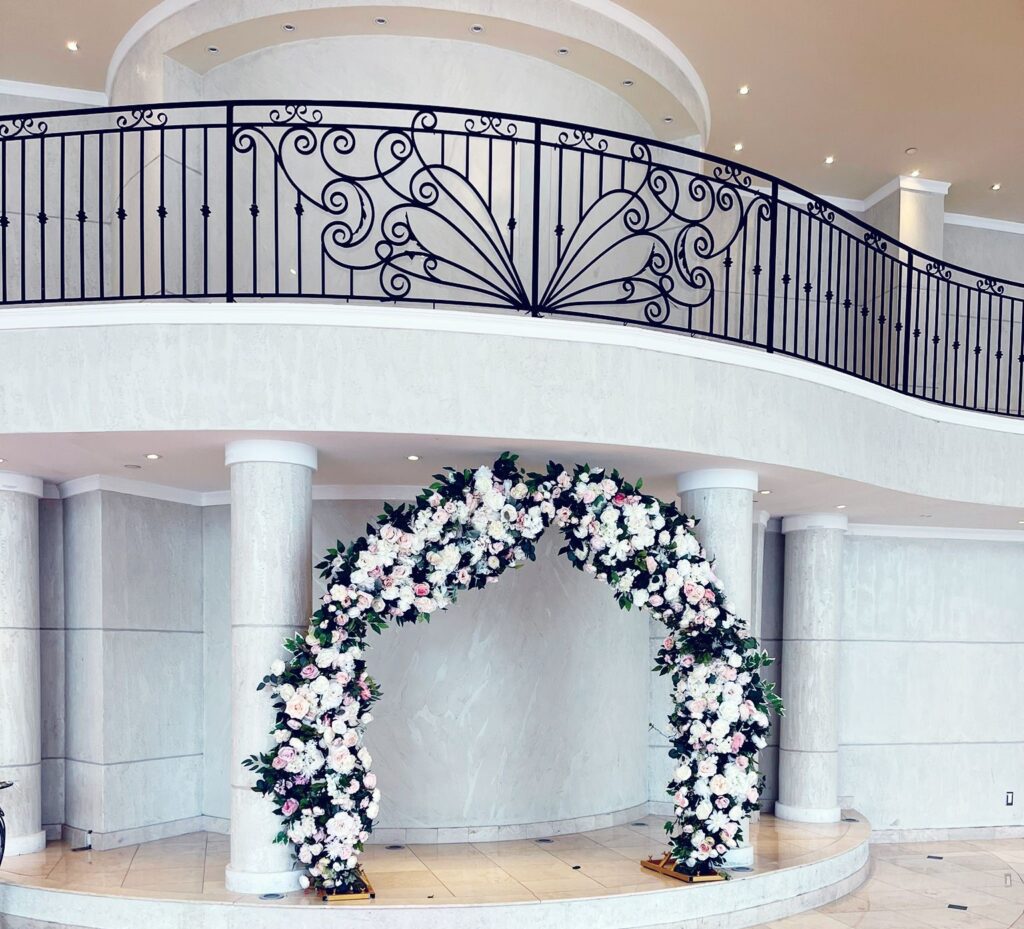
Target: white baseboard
[(952, 834)]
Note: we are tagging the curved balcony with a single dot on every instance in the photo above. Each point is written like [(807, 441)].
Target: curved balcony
[(368, 202)]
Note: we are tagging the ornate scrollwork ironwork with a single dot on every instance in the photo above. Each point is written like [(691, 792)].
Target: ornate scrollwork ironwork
[(22, 127), (297, 113), (988, 285), (876, 241), (141, 116)]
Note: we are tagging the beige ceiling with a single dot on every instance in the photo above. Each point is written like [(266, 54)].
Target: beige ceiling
[(859, 79)]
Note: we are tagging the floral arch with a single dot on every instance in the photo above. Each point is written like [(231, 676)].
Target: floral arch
[(464, 531)]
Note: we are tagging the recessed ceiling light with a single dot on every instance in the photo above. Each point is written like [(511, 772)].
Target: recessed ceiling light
[(292, 271), (213, 49), (628, 82), (925, 516), (997, 186), (563, 51), (915, 173), (153, 456), (830, 159), (840, 506), (744, 89), (1020, 522), (133, 467), (380, 21), (2, 460), (910, 151), (288, 27), (764, 493), (71, 45), (667, 119), (738, 147), (476, 28), (413, 457)]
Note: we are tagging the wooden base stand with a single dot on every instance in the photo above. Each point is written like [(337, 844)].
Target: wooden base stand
[(341, 898), (667, 865)]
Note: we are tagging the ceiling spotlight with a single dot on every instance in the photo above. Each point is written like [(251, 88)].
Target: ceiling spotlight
[(380, 20), (830, 159), (910, 151), (2, 460), (764, 493), (476, 28), (71, 45), (996, 186), (667, 119), (133, 467), (744, 90), (628, 82), (563, 51), (840, 506), (292, 271), (413, 457), (915, 173), (213, 49), (1020, 522), (288, 27), (153, 456), (738, 147)]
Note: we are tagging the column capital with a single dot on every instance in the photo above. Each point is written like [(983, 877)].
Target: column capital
[(717, 479), (270, 450), (814, 521), (21, 483)]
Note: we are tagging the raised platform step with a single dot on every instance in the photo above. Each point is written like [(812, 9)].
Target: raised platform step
[(592, 880)]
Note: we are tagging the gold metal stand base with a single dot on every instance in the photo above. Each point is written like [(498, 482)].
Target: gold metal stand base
[(342, 898), (667, 865)]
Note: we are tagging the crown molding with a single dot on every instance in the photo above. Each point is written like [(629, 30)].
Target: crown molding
[(872, 530), (21, 484), (984, 222), (814, 521), (270, 451), (53, 92)]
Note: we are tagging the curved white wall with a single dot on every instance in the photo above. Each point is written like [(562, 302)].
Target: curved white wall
[(525, 703), (644, 390)]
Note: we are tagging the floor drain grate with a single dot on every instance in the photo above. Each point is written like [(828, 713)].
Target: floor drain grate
[(934, 857), (741, 867), (850, 819), (638, 824), (955, 906), (271, 896), (393, 848), (544, 841)]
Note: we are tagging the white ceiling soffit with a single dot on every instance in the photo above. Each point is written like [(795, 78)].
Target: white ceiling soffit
[(602, 24)]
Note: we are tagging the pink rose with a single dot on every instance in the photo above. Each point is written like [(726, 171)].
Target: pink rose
[(619, 499), (709, 595), (752, 795), (289, 806), (669, 642), (370, 780), (421, 589), (737, 741), (309, 672), (278, 763), (652, 564), (286, 752)]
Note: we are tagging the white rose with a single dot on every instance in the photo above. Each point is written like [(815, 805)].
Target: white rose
[(277, 668), (703, 810)]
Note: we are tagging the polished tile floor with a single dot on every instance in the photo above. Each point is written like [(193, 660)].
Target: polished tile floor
[(911, 886)]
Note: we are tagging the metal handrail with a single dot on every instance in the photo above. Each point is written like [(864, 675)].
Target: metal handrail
[(363, 201)]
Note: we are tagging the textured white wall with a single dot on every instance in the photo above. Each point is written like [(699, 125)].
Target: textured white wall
[(988, 251), (931, 693), (134, 661), (524, 703)]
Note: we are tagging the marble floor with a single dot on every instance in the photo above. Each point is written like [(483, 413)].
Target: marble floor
[(910, 886)]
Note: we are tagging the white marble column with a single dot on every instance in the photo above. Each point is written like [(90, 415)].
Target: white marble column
[(20, 715), (809, 747), (723, 500), (271, 572)]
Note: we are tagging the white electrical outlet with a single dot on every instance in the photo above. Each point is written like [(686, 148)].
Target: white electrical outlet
[(1009, 798)]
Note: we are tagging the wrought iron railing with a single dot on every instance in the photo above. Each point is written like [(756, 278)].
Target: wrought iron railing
[(367, 202)]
